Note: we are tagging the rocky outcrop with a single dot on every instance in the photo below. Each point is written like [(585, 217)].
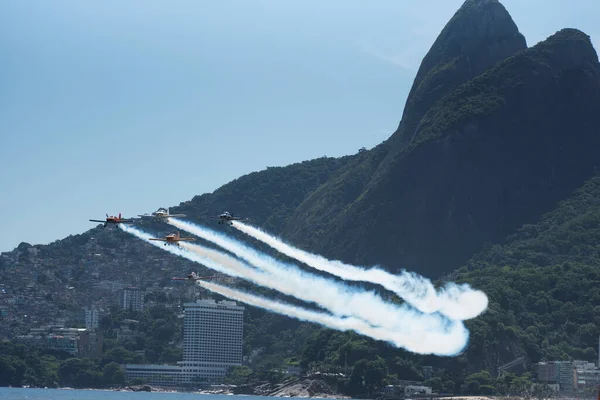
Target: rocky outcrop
[(140, 388), (493, 154), (480, 34)]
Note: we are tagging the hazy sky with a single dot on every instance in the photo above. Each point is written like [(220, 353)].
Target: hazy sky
[(124, 106)]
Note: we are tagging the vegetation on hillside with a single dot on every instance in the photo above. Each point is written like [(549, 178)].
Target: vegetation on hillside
[(268, 197), (156, 332), (21, 365), (544, 281), (487, 92), (311, 220), (490, 156), (544, 303)]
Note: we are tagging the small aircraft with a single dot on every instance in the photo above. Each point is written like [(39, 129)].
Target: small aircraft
[(113, 220), (220, 278), (162, 213), (194, 277), (227, 217), (173, 238)]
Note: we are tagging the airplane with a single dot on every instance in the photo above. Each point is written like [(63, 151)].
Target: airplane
[(173, 238), (114, 220), (194, 277), (227, 217), (220, 278), (161, 213)]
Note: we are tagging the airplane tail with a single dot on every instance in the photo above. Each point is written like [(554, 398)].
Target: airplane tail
[(119, 215)]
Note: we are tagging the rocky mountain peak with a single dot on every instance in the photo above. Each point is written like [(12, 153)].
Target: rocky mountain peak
[(480, 34), (569, 48)]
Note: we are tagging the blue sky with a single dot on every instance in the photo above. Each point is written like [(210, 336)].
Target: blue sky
[(125, 106)]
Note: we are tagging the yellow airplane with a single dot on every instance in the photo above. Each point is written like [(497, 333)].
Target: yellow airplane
[(173, 238)]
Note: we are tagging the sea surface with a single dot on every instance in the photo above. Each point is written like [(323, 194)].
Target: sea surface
[(72, 394)]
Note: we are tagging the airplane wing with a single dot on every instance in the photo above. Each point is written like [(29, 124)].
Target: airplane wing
[(97, 220), (179, 279), (127, 221), (186, 239), (176, 215), (160, 240), (144, 215)]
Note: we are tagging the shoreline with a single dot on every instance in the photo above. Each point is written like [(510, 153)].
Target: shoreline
[(283, 392)]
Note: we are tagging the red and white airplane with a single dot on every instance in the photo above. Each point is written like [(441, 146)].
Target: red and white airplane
[(194, 277), (173, 238), (113, 220)]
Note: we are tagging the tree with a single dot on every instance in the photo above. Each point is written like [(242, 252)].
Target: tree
[(375, 373), (112, 374), (238, 375)]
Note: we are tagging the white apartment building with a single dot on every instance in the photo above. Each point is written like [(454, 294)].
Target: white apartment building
[(92, 317), (132, 299), (161, 375), (212, 343), (212, 338)]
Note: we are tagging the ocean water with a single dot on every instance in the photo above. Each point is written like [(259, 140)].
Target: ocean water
[(58, 394)]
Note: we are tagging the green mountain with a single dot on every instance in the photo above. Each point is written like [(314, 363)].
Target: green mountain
[(489, 156), (489, 179), (543, 282), (480, 34)]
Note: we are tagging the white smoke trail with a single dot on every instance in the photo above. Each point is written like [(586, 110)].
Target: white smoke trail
[(423, 341), (455, 301), (176, 250), (335, 297), (236, 247), (341, 300), (416, 332)]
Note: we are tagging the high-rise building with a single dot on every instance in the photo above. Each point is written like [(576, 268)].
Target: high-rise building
[(132, 299), (92, 317), (212, 338), (212, 343)]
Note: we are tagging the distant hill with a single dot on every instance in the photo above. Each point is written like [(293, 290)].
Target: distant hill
[(494, 140)]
